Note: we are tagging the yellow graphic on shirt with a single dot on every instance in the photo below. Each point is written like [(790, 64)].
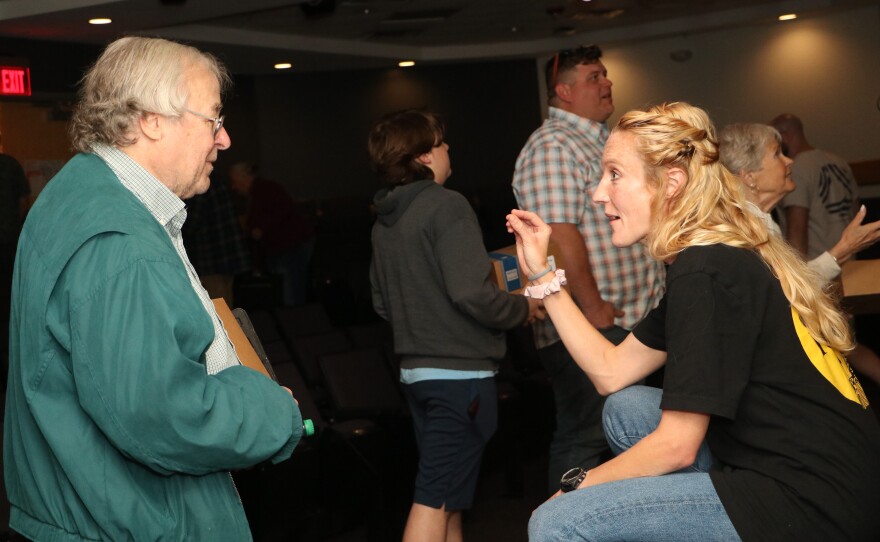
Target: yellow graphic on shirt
[(830, 363)]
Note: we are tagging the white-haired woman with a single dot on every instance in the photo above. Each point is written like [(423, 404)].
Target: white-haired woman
[(754, 152)]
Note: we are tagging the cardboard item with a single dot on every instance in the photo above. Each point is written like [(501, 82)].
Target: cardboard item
[(505, 267), (861, 286), (243, 347)]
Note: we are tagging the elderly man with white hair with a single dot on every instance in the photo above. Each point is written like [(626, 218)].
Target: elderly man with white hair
[(127, 405)]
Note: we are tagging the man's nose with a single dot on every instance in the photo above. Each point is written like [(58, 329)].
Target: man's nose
[(222, 139)]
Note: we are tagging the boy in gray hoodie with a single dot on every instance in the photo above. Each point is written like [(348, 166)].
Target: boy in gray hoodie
[(430, 279)]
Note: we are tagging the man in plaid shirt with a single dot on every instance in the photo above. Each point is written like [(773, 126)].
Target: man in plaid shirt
[(215, 242), (556, 174)]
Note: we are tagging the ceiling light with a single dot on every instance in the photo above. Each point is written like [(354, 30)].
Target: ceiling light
[(100, 20), (406, 63), (283, 66), (788, 17)]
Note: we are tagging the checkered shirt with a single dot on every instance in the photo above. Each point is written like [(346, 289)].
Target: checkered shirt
[(170, 212), (556, 174), (212, 234)]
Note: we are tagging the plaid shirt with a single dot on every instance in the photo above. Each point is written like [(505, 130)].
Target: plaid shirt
[(170, 211), (556, 174), (212, 234)]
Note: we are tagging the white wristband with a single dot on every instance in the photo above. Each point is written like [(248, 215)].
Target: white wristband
[(540, 291)]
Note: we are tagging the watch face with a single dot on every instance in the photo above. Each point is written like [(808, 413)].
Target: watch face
[(571, 479), (571, 475)]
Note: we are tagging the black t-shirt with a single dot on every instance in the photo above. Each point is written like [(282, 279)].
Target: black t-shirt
[(798, 456)]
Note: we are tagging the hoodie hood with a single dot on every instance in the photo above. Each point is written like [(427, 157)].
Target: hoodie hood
[(392, 203)]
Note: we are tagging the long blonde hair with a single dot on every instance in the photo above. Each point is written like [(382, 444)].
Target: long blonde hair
[(711, 209)]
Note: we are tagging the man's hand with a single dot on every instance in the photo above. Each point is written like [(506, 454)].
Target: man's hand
[(291, 394), (602, 315), (536, 310)]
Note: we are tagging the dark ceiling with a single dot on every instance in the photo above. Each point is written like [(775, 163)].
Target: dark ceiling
[(252, 35)]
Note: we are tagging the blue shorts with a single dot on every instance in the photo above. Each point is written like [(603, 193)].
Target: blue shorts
[(453, 421)]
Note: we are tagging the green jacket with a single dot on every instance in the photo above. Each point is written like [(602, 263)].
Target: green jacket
[(113, 429)]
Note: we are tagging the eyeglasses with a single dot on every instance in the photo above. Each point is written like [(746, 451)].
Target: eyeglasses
[(583, 53), (218, 121)]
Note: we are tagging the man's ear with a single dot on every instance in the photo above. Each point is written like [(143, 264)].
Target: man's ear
[(676, 181), (563, 91), (424, 159), (152, 125)]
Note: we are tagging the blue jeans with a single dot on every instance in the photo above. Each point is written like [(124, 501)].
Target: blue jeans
[(578, 440), (677, 507)]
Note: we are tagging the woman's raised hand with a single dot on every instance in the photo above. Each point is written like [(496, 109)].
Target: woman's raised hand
[(532, 237), (856, 236)]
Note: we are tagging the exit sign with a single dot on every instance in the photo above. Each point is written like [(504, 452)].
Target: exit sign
[(15, 81)]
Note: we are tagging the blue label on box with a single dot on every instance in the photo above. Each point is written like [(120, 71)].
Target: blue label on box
[(510, 268)]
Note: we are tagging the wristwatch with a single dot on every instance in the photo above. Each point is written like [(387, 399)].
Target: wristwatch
[(572, 479)]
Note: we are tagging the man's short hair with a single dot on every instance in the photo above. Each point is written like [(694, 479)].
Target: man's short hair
[(398, 139), (787, 122), (565, 61), (133, 76)]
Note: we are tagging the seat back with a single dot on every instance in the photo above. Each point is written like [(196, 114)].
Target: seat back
[(359, 384), (377, 335), (310, 349), (302, 320)]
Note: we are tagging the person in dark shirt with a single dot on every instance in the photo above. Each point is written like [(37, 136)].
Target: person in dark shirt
[(14, 196), (282, 235), (761, 430), (215, 242)]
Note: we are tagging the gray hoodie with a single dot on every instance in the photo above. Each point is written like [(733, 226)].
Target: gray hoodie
[(430, 279)]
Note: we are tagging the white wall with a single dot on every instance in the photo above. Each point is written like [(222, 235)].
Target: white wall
[(825, 70)]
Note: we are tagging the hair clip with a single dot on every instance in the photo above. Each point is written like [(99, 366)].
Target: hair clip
[(688, 150)]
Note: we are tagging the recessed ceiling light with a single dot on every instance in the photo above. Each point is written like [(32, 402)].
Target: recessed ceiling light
[(406, 63), (788, 17), (100, 20), (283, 66)]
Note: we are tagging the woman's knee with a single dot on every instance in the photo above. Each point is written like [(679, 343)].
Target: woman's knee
[(544, 523), (632, 399), (632, 412)]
